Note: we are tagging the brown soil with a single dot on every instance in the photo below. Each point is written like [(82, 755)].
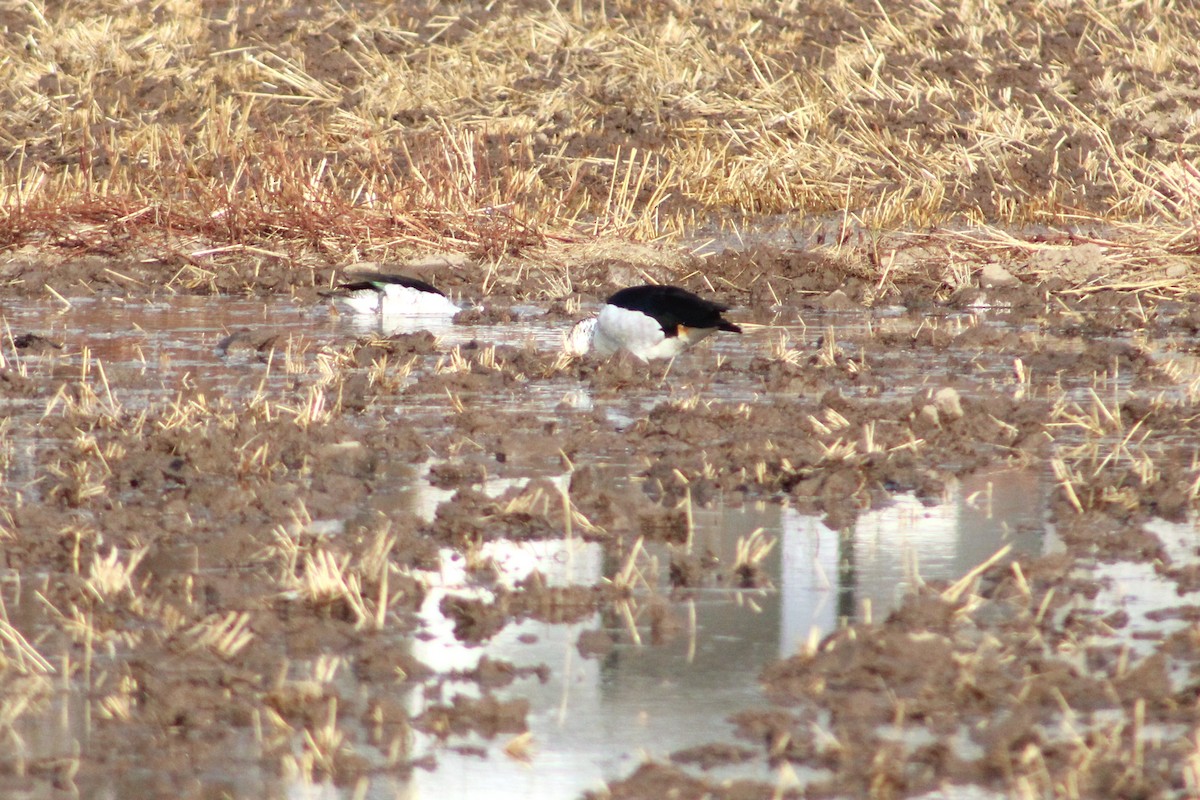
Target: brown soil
[(181, 582)]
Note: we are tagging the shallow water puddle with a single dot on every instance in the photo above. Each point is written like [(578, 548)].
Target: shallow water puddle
[(907, 541), (596, 717), (1147, 595)]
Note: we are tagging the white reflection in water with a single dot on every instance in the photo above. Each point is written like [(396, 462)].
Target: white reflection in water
[(1140, 590), (829, 575), (579, 398), (561, 563), (424, 499), (596, 718), (393, 324)]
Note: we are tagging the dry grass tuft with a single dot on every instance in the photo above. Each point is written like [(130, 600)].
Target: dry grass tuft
[(111, 576)]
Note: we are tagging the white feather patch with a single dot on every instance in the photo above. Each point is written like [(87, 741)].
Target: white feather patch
[(641, 335), (399, 299), (394, 300)]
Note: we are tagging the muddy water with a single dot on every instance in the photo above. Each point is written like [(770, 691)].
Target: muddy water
[(596, 718), (679, 665)]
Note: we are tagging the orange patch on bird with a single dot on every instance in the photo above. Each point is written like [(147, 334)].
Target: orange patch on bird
[(682, 331)]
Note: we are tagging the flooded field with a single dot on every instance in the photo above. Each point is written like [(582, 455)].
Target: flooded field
[(258, 549), (925, 529)]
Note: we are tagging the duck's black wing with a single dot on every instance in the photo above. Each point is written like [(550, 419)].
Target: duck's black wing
[(378, 281), (671, 307)]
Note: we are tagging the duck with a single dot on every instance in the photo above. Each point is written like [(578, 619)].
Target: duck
[(391, 295), (649, 322)]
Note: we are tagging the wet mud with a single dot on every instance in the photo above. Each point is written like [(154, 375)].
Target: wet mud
[(219, 574)]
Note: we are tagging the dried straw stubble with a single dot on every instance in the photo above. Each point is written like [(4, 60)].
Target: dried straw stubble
[(383, 128)]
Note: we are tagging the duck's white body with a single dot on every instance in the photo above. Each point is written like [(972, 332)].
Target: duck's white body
[(392, 296), (649, 322)]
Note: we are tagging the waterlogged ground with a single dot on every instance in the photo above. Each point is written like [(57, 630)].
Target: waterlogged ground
[(887, 545)]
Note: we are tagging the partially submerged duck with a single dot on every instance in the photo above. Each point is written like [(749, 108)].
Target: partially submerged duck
[(391, 296), (649, 322)]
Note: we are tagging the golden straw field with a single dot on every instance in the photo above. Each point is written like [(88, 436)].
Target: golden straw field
[(364, 131)]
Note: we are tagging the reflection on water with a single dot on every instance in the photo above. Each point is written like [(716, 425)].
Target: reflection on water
[(862, 573), (1143, 592), (596, 718)]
